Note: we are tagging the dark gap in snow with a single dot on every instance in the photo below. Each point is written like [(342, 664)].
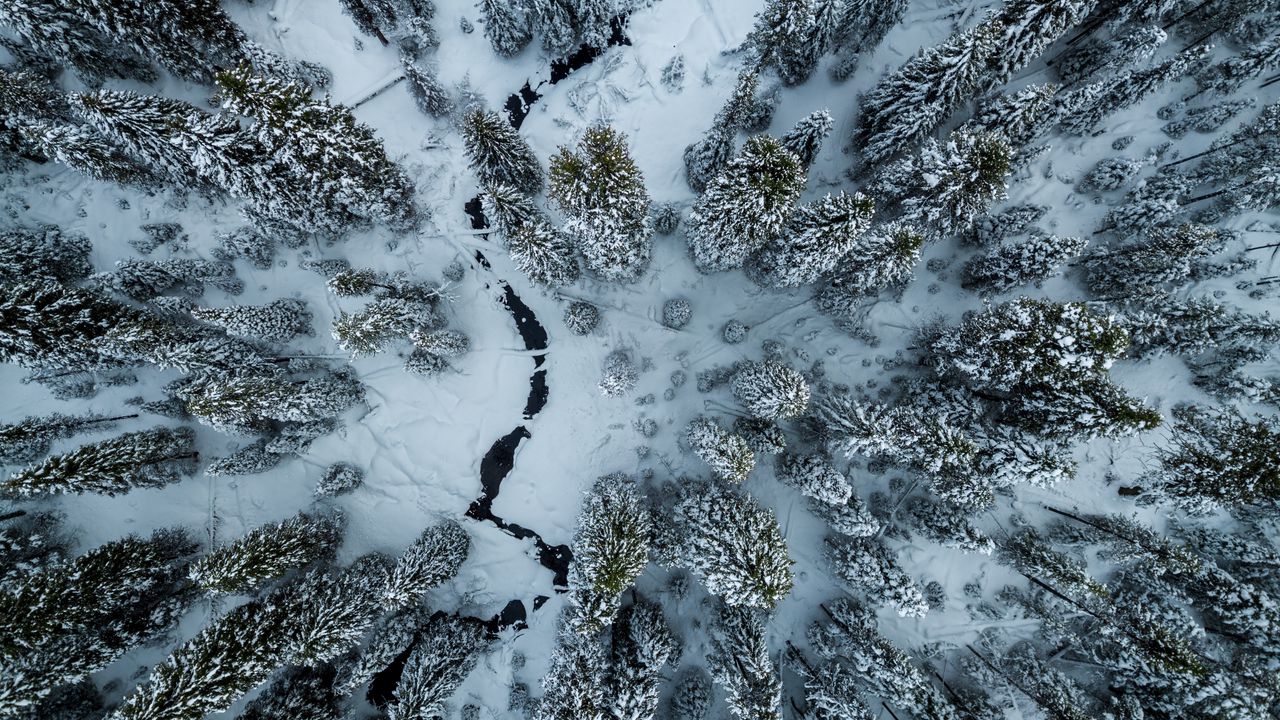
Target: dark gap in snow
[(475, 211), (519, 103), (538, 392), (531, 331)]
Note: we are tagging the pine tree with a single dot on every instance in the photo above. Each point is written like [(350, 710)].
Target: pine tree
[(31, 437), (140, 124), (1084, 411), (391, 636), (610, 550), (507, 208), (1088, 106), (732, 544), (619, 376), (593, 20), (817, 238), (945, 188), (852, 518), (1030, 554), (706, 159), (1020, 117), (691, 699), (299, 693), (344, 167), (577, 684), (150, 458), (642, 647), (1219, 458), (278, 321), (245, 400), (507, 26), (771, 390), (728, 455), (920, 95), (948, 525), (1029, 27), (862, 24), (1011, 264), (74, 617), (58, 31), (885, 257), (786, 37), (446, 651), (601, 190), (870, 567), (47, 252), (1147, 265), (739, 662), (267, 552), (745, 207), (1197, 325), (382, 322), (543, 253), (806, 137), (425, 88), (84, 151), (832, 693), (498, 154), (432, 559), (556, 20), (815, 477)]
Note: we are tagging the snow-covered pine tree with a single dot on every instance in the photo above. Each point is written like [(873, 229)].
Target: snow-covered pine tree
[(1020, 117), (728, 455), (498, 154), (1088, 106), (298, 693), (885, 257), (1219, 458), (642, 647), (705, 159), (73, 617), (577, 684), (543, 253), (610, 550), (149, 458), (59, 32), (1098, 56), (555, 18), (916, 98), (446, 651), (140, 125), (771, 390), (814, 476), (1029, 27), (1093, 408), (1011, 264), (1152, 263), (507, 25), (343, 165), (267, 552), (862, 24), (1188, 327), (948, 525), (807, 135), (245, 400), (84, 150), (946, 187), (47, 252), (424, 87), (787, 38), (619, 375), (731, 543), (832, 692), (746, 206), (31, 437), (739, 662), (391, 636), (432, 559), (851, 518), (817, 238), (278, 321), (1229, 75), (601, 190), (869, 567), (691, 699), (381, 323), (507, 207)]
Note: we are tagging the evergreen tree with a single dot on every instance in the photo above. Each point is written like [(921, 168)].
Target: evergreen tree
[(691, 699), (140, 125), (600, 188), (948, 525), (391, 636), (382, 322), (58, 31), (446, 651), (1219, 458), (807, 135), (507, 26), (884, 258), (278, 321), (739, 662), (83, 150), (862, 24), (498, 154), (1032, 556), (815, 477), (945, 188), (267, 552), (1020, 117), (70, 618), (868, 566), (851, 518), (1090, 105), (556, 20), (920, 95), (787, 37), (610, 550), (732, 544), (150, 458), (642, 646), (577, 684), (1011, 264), (543, 253), (728, 455), (745, 207), (31, 437), (620, 375), (817, 238), (445, 343), (425, 88), (706, 159), (507, 208), (298, 693), (432, 559), (1029, 27), (47, 252), (147, 279), (1148, 265), (1197, 325), (1087, 410), (831, 693), (771, 390)]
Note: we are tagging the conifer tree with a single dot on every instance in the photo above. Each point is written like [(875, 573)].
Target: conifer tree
[(498, 154), (1219, 458), (1090, 409), (642, 647), (786, 37), (691, 699), (920, 95), (862, 24), (278, 321), (432, 559), (543, 253), (732, 544), (391, 636), (58, 31), (771, 390), (870, 567), (577, 684), (807, 135), (815, 477), (301, 693), (1090, 105), (267, 552), (31, 437), (1020, 117), (47, 252), (425, 88), (150, 458), (506, 208), (1147, 265), (946, 187), (745, 207), (884, 258), (507, 26), (610, 550), (817, 238), (1011, 264), (83, 150), (948, 525), (140, 124), (706, 159), (728, 455), (245, 400), (600, 188), (1197, 325), (739, 662), (446, 651), (1028, 27)]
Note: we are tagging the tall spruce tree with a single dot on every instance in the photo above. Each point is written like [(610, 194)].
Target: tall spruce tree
[(150, 458), (506, 25), (1219, 458), (610, 550), (817, 238), (787, 37), (706, 158), (498, 154), (31, 437), (267, 552)]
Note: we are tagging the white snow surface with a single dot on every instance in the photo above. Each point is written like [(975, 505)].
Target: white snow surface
[(421, 440)]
